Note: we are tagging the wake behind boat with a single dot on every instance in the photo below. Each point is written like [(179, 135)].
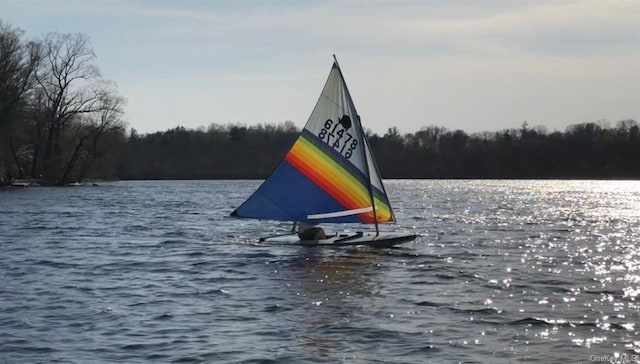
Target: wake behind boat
[(328, 176)]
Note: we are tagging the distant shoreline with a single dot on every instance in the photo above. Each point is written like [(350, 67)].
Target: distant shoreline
[(24, 183)]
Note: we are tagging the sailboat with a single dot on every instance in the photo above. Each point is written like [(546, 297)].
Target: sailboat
[(328, 176)]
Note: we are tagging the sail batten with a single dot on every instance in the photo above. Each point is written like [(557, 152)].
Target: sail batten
[(329, 174), (340, 213)]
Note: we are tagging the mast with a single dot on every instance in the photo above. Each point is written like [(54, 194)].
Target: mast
[(364, 149)]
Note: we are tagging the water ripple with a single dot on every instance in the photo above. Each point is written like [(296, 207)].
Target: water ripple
[(154, 271)]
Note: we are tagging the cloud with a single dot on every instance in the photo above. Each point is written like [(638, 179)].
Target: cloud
[(475, 65)]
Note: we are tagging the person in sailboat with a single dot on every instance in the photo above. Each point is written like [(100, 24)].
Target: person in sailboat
[(308, 231)]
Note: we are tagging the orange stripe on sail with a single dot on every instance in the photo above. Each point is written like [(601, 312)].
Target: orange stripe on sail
[(329, 175)]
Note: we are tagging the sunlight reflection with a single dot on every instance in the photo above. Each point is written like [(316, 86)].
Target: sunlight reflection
[(569, 249)]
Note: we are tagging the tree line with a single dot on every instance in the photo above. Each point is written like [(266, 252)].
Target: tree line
[(591, 150), (61, 121)]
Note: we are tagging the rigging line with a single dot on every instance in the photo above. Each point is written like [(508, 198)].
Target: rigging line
[(336, 103), (364, 143)]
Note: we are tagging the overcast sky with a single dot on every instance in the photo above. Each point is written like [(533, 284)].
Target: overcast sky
[(469, 64)]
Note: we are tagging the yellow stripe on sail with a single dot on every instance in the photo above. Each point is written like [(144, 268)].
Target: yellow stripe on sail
[(326, 172)]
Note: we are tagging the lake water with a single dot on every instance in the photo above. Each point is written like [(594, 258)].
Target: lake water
[(155, 271)]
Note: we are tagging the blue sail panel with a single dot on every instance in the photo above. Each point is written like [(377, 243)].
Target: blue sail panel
[(294, 203)]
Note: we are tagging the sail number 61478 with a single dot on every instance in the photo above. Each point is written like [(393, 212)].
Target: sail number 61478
[(338, 137)]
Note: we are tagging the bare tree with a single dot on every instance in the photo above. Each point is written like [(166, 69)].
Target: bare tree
[(18, 62), (69, 87), (89, 129)]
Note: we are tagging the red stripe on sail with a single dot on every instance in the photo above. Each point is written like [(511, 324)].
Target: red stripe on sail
[(308, 169)]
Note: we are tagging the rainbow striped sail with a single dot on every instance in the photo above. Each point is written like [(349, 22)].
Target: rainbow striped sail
[(329, 174)]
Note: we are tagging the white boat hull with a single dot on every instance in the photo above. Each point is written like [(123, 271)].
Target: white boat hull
[(381, 240)]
